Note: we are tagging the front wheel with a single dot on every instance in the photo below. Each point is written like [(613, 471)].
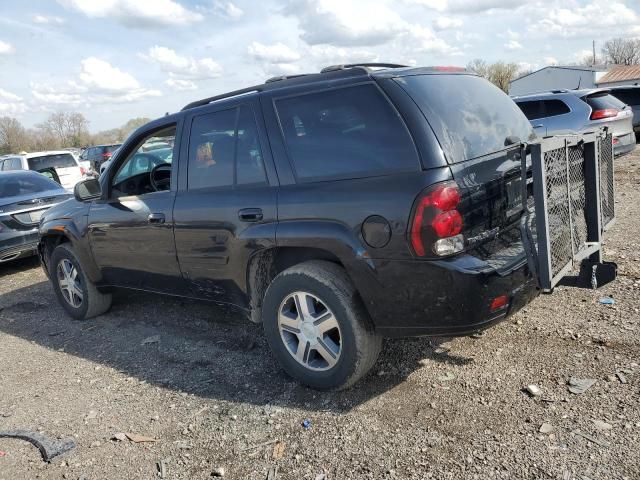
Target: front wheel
[(76, 293), (317, 327)]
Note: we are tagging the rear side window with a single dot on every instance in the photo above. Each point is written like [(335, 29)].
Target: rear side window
[(60, 160), (224, 150), (602, 101), (553, 108), (630, 96), (12, 164), (532, 109), (470, 116), (349, 132)]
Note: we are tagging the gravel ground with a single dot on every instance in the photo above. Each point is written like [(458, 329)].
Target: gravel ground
[(205, 386)]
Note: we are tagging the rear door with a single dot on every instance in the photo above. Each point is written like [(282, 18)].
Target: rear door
[(225, 210), (480, 130)]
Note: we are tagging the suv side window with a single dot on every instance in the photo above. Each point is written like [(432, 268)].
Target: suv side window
[(12, 164), (532, 109), (349, 132), (132, 177), (224, 150), (553, 108)]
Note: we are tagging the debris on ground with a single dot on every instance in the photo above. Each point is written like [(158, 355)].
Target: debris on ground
[(2, 454), (600, 425), (621, 377), (48, 448), (321, 476), (151, 339), (607, 301), (135, 438), (162, 468), (273, 473), (278, 451), (217, 472), (546, 428), (533, 390), (447, 377), (602, 443), (119, 437), (578, 386), (306, 423)]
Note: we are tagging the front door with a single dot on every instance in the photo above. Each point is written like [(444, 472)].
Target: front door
[(226, 211), (131, 228)]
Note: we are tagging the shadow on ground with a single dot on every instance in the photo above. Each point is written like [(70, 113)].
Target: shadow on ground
[(203, 349)]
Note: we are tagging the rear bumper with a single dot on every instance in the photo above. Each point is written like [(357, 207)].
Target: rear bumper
[(445, 297), (18, 246), (626, 144)]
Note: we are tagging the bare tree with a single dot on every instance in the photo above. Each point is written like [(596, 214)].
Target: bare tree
[(13, 136), (499, 73), (622, 51), (66, 129)]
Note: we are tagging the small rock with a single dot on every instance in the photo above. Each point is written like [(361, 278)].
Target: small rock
[(92, 414), (94, 444), (533, 390), (119, 437), (217, 472), (621, 377), (447, 377), (600, 425), (546, 428), (151, 339), (578, 386)]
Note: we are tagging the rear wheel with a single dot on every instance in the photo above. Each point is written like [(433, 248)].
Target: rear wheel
[(76, 293), (317, 326)]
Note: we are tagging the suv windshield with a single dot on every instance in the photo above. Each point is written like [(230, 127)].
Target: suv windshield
[(470, 116), (59, 160)]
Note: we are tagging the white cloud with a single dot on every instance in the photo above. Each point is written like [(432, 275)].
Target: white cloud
[(425, 41), (469, 6), (228, 9), (47, 20), (513, 45), (276, 53), (98, 82), (180, 66), (180, 85), (344, 24), (550, 61), (10, 103), (137, 13), (579, 20), (446, 23), (325, 55), (6, 48)]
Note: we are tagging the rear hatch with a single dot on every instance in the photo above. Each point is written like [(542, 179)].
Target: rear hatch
[(64, 164), (480, 130), (608, 111)]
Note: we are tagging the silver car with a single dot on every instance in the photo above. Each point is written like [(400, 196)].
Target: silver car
[(631, 96), (572, 111)]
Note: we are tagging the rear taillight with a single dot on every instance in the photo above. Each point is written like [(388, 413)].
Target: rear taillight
[(83, 171), (604, 113), (106, 156), (436, 224)]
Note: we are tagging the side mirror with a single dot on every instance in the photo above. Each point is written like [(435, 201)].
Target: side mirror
[(87, 190)]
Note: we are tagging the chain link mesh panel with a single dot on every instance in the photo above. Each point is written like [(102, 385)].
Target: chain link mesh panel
[(607, 199)]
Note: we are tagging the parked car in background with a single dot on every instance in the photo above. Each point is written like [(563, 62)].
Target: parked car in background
[(98, 154), (24, 196), (562, 112), (154, 155), (631, 96), (64, 164), (370, 228)]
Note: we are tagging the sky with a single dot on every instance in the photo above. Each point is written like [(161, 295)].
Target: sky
[(113, 60)]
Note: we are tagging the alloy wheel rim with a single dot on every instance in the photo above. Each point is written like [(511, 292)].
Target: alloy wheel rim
[(310, 331), (70, 283)]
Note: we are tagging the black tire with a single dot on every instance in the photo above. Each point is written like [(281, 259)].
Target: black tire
[(360, 345), (93, 302)]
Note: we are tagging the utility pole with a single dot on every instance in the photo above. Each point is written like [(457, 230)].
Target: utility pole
[(594, 53)]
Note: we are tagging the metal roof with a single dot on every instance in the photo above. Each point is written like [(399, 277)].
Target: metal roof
[(593, 68), (621, 73)]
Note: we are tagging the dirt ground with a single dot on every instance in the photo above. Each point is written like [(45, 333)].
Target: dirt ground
[(205, 386)]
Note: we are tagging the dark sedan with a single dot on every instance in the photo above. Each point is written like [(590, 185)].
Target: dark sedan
[(24, 196)]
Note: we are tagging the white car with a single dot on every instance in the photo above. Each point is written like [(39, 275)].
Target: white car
[(64, 164)]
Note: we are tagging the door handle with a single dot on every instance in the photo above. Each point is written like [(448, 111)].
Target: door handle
[(250, 214), (156, 218)]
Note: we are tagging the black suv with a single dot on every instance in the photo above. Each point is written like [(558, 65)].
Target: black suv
[(335, 208), (98, 154)]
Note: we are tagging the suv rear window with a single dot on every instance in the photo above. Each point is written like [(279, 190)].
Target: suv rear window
[(60, 160), (470, 116), (630, 96), (349, 132), (602, 101)]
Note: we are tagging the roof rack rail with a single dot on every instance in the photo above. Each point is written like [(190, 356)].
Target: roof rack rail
[(333, 68), (284, 77), (235, 93)]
